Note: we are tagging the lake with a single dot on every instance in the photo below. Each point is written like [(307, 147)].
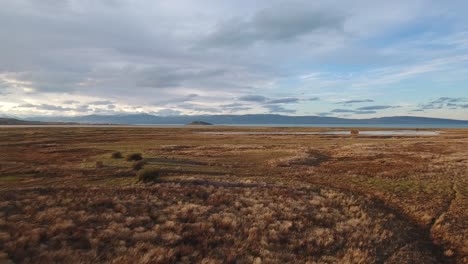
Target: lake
[(343, 132)]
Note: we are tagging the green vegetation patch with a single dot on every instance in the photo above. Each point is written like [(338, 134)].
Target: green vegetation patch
[(10, 178)]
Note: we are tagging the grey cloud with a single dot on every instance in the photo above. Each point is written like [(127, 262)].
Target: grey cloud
[(27, 106), (359, 111), (49, 107), (46, 107), (163, 77), (449, 100), (278, 23), (348, 102), (376, 107), (82, 108), (271, 101), (198, 108), (71, 102), (445, 102), (103, 102), (178, 99), (53, 80), (253, 98), (431, 106), (235, 107), (232, 105), (110, 49), (365, 112), (211, 110), (342, 111), (279, 109), (3, 92), (284, 101)]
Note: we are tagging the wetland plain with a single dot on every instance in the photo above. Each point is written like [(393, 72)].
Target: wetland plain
[(233, 195)]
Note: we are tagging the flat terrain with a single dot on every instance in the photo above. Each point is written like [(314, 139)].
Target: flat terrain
[(232, 198)]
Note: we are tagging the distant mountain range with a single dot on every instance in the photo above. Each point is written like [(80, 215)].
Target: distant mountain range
[(12, 121), (253, 119), (17, 122)]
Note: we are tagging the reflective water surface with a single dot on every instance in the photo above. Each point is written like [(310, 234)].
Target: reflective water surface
[(341, 132)]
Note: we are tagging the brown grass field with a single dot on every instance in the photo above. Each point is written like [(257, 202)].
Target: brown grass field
[(66, 196)]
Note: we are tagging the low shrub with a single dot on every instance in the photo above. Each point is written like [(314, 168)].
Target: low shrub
[(134, 157), (99, 164), (138, 165), (354, 132), (116, 155), (148, 175)]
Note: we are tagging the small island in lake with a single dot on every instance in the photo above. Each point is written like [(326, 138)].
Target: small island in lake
[(199, 123)]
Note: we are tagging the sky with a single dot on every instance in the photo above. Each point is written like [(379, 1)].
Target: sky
[(352, 59)]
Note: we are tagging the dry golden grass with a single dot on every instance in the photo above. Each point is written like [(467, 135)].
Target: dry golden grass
[(188, 223), (232, 198)]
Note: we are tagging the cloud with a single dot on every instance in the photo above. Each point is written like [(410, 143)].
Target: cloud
[(197, 108), (168, 112), (349, 102), (176, 99), (342, 111), (365, 112), (83, 108), (235, 107), (46, 107), (284, 101), (266, 100), (324, 114), (449, 100), (207, 55), (253, 98), (361, 111), (376, 107), (232, 105), (279, 109), (278, 23), (103, 102), (444, 103), (68, 102), (166, 77), (238, 109)]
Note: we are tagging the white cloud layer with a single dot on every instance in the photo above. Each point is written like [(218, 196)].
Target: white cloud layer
[(192, 57)]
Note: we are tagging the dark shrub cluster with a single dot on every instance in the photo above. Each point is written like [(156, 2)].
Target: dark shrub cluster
[(148, 175), (138, 165), (99, 164), (134, 157), (116, 155)]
